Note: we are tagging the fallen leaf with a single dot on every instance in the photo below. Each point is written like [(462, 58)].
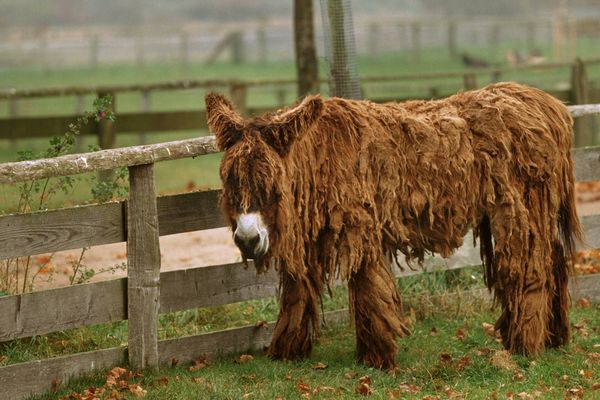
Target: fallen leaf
[(247, 395), (523, 395), (484, 351), (577, 392), (350, 375), (518, 377), (323, 389), (503, 359), (55, 384), (244, 358), (261, 324), (303, 388), (586, 374), (364, 386), (565, 378), (452, 394), (137, 390), (460, 334), (174, 362), (319, 365), (583, 303), (595, 386), (463, 362), (489, 329), (445, 358), (433, 331), (198, 364)]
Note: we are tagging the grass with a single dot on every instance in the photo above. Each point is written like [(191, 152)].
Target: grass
[(434, 361)]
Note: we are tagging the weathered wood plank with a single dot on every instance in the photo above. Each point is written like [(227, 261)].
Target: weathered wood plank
[(59, 309), (93, 225), (190, 212), (37, 377), (105, 159), (587, 163), (57, 230), (587, 286), (213, 286), (233, 340), (143, 268)]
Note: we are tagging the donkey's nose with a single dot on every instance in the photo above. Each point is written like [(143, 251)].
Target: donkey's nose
[(247, 243)]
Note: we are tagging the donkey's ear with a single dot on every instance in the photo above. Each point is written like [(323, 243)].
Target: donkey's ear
[(223, 120), (288, 125)]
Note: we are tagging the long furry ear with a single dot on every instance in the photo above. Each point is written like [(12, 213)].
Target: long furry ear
[(288, 125), (223, 120)]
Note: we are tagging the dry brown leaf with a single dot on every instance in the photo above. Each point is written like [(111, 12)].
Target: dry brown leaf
[(261, 324), (565, 378), (247, 395), (174, 362), (518, 377), (503, 359), (453, 394), (445, 358), (323, 389), (137, 390), (364, 386), (595, 386), (460, 334), (319, 365), (486, 351), (576, 392), (583, 303), (463, 362), (489, 329), (586, 374), (244, 358), (350, 375), (198, 364), (303, 388), (433, 331), (524, 395)]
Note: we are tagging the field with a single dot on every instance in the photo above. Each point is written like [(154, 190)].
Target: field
[(449, 355)]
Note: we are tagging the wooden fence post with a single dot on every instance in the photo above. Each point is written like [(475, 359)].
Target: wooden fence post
[(184, 50), (106, 134), (94, 49), (144, 107), (239, 96), (416, 41), (452, 40), (13, 112), (580, 94), (143, 268), (470, 81)]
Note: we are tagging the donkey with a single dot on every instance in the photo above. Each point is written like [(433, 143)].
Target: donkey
[(333, 188)]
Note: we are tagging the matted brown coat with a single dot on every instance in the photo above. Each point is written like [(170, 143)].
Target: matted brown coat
[(341, 184)]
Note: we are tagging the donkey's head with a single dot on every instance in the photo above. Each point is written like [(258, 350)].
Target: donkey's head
[(255, 180)]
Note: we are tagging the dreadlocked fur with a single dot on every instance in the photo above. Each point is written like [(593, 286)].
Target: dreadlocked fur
[(341, 184)]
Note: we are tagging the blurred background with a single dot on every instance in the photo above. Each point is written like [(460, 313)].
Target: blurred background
[(157, 59)]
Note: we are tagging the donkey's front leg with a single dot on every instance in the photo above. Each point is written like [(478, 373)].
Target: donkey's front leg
[(298, 318), (377, 309)]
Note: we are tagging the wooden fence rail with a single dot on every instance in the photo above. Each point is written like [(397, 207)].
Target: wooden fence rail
[(147, 292), (15, 127)]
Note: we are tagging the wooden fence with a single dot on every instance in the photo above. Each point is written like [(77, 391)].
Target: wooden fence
[(146, 291), (580, 91)]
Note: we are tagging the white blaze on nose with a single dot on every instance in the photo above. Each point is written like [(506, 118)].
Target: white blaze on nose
[(251, 225)]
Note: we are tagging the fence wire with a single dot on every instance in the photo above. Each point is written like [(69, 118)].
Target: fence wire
[(340, 48)]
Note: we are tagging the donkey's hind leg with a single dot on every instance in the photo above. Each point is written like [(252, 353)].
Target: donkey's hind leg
[(377, 309), (298, 318), (522, 283), (558, 325)]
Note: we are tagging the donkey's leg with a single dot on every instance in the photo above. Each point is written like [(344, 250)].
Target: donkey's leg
[(558, 324), (298, 318), (377, 309), (523, 263)]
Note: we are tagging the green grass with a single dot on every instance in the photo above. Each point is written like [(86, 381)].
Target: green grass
[(430, 364)]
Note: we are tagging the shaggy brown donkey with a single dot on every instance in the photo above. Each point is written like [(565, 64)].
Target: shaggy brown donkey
[(331, 187)]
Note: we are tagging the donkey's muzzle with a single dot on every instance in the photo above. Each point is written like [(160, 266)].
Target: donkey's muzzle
[(251, 236), (247, 245)]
